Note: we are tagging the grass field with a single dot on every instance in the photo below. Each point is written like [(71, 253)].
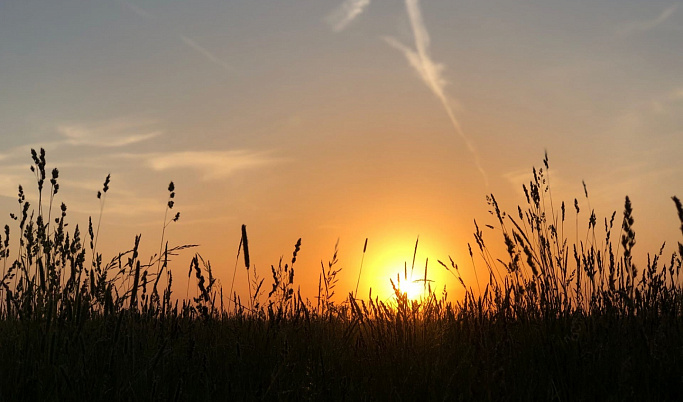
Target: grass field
[(554, 320)]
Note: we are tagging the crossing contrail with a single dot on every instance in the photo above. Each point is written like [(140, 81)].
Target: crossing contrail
[(342, 16), (430, 72)]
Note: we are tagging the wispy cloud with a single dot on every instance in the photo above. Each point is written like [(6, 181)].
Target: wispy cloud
[(9, 182), (647, 25), (113, 133), (204, 52), (23, 151), (676, 95), (136, 9), (190, 42), (670, 102), (211, 165), (343, 15), (431, 73), (144, 209), (613, 184), (523, 176)]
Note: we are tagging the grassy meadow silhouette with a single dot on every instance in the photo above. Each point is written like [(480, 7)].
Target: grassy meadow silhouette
[(550, 319)]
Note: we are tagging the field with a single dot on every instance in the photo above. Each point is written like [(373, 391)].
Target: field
[(551, 320)]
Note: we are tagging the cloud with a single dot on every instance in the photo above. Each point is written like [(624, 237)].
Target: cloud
[(9, 183), (204, 52), (523, 176), (647, 25), (676, 95), (631, 178), (144, 209), (24, 151), (665, 103), (114, 133), (343, 15), (431, 73), (211, 165), (137, 10), (190, 42)]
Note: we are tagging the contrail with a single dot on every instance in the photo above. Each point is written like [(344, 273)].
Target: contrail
[(183, 38), (644, 26), (204, 52), (430, 72), (342, 16), (137, 10)]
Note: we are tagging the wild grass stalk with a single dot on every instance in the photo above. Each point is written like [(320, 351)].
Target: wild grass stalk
[(556, 319), (360, 270), (101, 196), (247, 264), (234, 271)]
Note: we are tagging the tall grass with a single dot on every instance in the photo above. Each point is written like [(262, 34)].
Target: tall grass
[(554, 320)]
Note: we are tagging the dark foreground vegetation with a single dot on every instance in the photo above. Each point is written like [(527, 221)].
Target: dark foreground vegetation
[(550, 320)]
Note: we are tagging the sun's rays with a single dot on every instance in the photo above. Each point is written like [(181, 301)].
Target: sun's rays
[(413, 289)]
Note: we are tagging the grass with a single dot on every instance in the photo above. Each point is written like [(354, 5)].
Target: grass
[(551, 319)]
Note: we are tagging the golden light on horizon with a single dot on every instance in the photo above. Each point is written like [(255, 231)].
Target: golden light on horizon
[(413, 289), (393, 274), (395, 262)]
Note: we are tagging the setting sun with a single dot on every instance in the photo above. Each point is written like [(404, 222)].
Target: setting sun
[(341, 200), (414, 289)]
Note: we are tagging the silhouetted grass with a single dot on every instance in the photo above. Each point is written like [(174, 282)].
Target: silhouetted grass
[(555, 320)]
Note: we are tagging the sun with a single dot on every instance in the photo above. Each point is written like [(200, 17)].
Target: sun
[(414, 290), (391, 270)]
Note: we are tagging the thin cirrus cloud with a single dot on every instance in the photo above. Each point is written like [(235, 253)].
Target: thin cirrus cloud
[(669, 102), (190, 42), (210, 165), (647, 25), (676, 95), (9, 181), (204, 52), (343, 15), (431, 73), (23, 151), (136, 9), (115, 133)]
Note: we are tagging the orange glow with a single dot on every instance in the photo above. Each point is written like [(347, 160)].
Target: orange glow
[(391, 260), (414, 289)]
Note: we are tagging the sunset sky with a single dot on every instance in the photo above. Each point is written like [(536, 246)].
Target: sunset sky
[(348, 120)]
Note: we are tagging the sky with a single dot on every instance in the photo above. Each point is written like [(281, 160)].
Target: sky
[(340, 121)]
